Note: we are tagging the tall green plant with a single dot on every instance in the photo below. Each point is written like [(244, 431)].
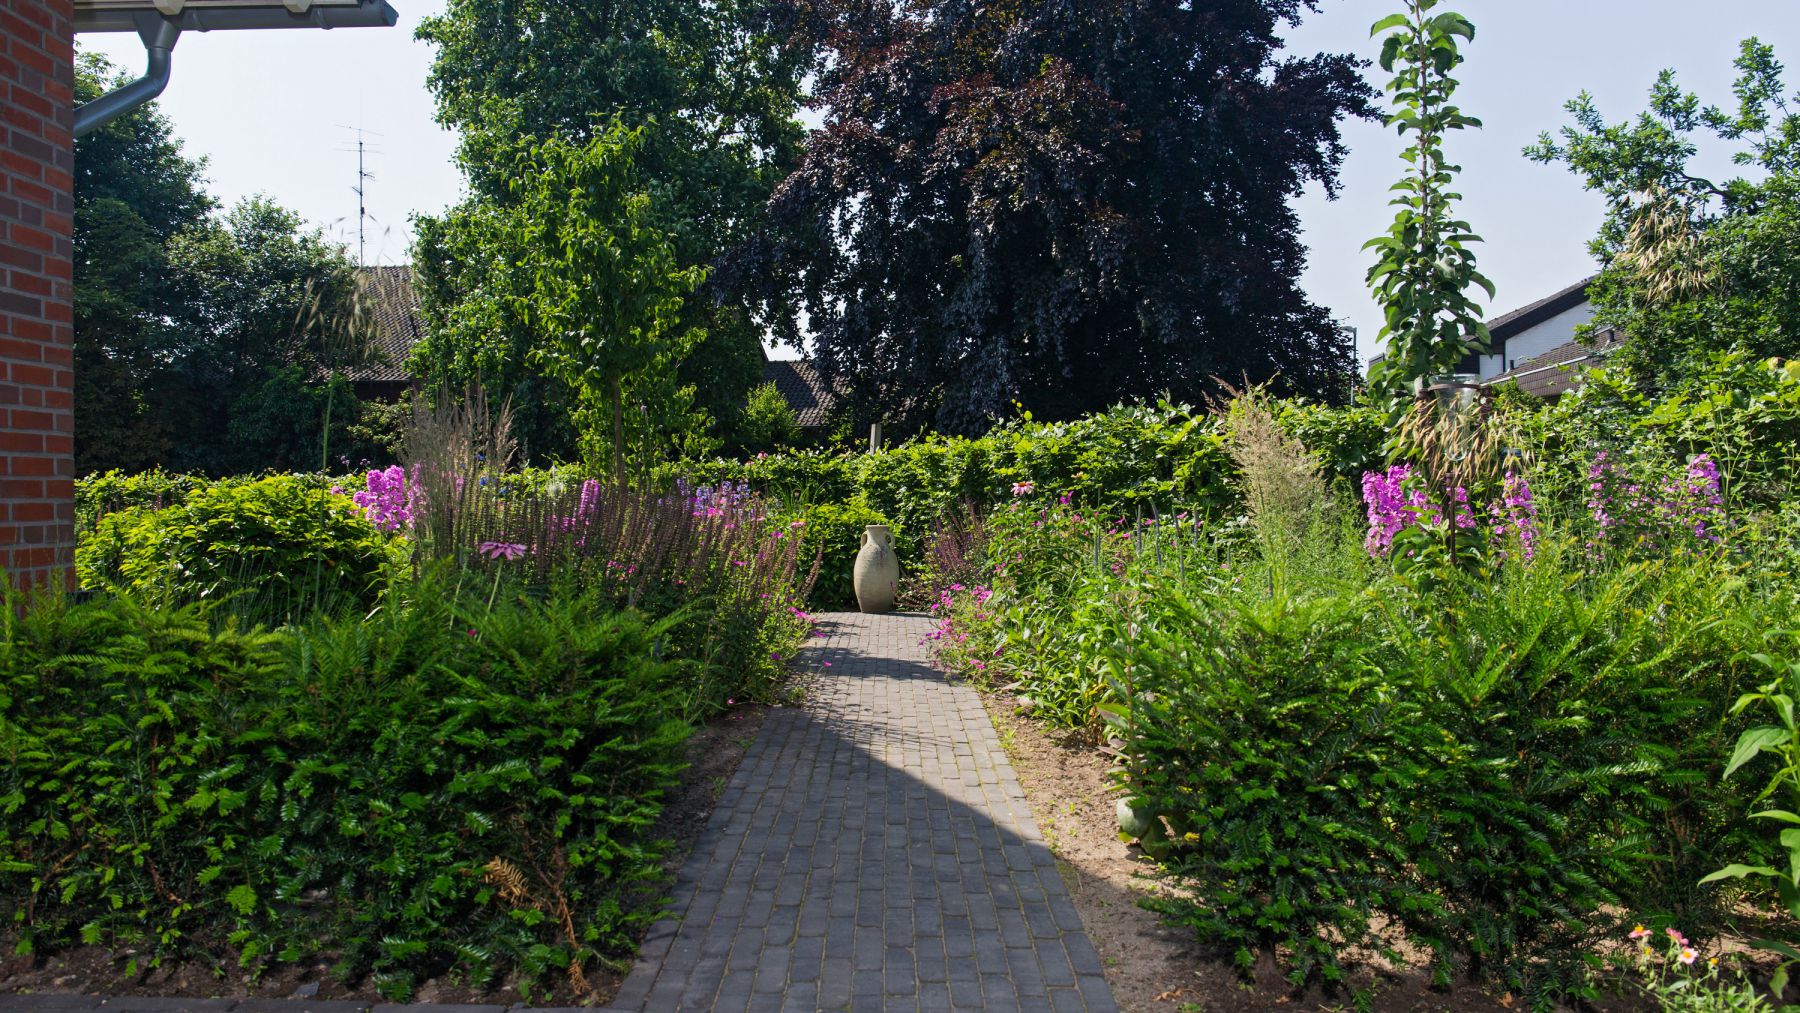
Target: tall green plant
[(1425, 267), (1783, 742), (603, 289)]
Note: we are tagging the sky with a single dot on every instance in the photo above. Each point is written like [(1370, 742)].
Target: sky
[(274, 113)]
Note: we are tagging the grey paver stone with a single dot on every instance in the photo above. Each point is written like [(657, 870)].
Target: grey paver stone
[(873, 851)]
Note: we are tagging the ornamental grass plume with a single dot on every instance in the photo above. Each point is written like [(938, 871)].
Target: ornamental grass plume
[(455, 454), (1284, 483)]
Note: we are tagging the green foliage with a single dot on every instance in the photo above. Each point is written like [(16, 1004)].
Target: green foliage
[(1694, 267), (1743, 413), (768, 421), (430, 788), (716, 93), (294, 423), (134, 192), (1782, 741), (274, 548), (1265, 734), (1483, 765), (111, 491), (832, 534), (197, 338), (580, 261), (1424, 268)]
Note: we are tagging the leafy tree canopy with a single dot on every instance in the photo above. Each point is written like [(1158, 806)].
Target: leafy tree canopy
[(185, 323), (1066, 203), (1694, 266), (134, 191), (720, 96), (592, 281)]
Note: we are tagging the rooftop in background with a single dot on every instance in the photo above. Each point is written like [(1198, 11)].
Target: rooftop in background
[(389, 297), (1559, 369), (1526, 317), (800, 386), (1537, 344)]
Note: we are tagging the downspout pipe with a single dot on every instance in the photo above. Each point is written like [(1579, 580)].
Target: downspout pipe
[(159, 37)]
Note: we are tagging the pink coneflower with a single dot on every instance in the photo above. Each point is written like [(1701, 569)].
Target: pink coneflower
[(508, 551), (1022, 488)]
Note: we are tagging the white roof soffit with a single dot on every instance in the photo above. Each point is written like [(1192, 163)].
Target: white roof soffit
[(224, 15)]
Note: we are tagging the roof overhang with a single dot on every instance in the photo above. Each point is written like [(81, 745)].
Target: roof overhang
[(230, 15), (160, 23)]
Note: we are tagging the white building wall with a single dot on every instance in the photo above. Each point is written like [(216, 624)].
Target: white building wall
[(1534, 341)]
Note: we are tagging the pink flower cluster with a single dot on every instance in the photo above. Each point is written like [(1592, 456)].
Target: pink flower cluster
[(1516, 514), (386, 500), (1395, 501), (1627, 509)]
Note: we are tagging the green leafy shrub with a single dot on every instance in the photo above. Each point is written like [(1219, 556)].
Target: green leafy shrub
[(1484, 764), (832, 533), (276, 547), (112, 491), (1267, 736), (436, 786), (1133, 457), (768, 421)]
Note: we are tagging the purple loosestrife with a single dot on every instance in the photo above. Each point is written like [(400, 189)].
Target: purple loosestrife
[(1628, 511), (1516, 515), (1389, 512)]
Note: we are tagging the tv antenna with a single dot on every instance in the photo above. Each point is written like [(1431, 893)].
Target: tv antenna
[(361, 189)]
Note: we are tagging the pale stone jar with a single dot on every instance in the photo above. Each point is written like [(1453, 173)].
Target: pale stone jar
[(877, 573)]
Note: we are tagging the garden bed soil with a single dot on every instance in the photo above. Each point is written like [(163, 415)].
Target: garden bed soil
[(714, 753), (1153, 967)]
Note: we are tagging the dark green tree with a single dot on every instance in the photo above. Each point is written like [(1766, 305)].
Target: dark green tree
[(720, 95), (257, 297), (134, 192), (201, 344), (1693, 266), (1063, 204)]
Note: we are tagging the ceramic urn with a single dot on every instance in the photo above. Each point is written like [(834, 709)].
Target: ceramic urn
[(877, 573)]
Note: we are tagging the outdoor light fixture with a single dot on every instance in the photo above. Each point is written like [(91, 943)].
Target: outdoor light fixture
[(160, 22)]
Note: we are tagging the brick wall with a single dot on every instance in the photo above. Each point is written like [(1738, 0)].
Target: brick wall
[(37, 421)]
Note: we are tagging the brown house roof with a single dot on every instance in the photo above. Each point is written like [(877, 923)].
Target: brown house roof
[(398, 325), (800, 385)]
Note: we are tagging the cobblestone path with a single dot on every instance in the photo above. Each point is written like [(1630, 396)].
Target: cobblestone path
[(873, 852)]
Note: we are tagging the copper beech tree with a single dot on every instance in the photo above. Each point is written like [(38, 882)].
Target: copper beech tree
[(1062, 204)]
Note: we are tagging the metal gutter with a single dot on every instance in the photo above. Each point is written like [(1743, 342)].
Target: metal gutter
[(162, 24), (159, 37)]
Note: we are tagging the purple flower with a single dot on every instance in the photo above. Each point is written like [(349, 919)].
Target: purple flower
[(385, 500), (508, 551)]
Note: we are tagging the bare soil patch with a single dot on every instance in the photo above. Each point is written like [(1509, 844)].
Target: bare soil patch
[(714, 753), (1158, 968)]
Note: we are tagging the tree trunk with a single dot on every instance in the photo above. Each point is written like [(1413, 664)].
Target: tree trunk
[(618, 420)]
